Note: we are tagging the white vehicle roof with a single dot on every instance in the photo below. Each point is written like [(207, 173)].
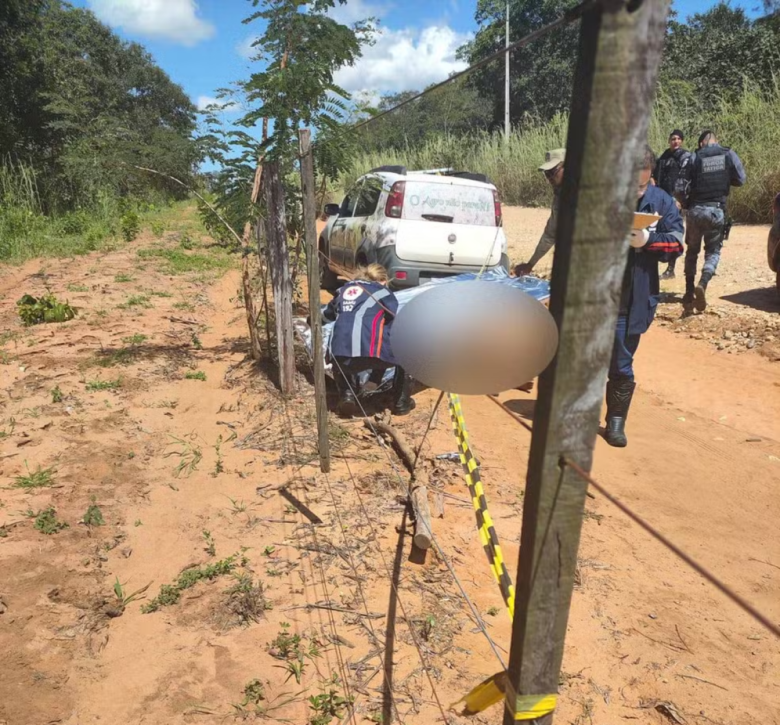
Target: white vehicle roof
[(430, 178)]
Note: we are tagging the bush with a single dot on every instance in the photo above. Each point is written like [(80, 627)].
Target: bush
[(131, 225), (35, 311)]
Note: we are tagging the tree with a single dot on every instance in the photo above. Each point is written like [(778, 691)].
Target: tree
[(540, 74)]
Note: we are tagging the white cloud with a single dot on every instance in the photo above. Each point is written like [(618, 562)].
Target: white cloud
[(245, 49), (356, 10), (175, 20), (405, 60), (204, 102)]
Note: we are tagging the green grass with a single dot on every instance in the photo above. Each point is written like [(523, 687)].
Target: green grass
[(178, 261), (199, 375), (96, 385), (77, 288), (135, 339), (123, 278), (750, 125), (136, 301), (171, 593), (39, 478)]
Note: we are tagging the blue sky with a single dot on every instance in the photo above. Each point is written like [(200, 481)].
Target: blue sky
[(203, 45)]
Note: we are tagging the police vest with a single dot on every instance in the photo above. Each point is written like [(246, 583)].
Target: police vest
[(711, 175), (671, 166)]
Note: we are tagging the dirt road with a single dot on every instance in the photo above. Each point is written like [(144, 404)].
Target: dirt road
[(270, 607)]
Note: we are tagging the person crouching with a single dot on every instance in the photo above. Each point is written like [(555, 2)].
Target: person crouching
[(363, 311)]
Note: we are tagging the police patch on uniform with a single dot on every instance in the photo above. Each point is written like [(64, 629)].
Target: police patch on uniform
[(352, 293), (713, 163)]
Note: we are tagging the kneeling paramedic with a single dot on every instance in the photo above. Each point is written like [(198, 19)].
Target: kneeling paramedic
[(661, 242), (363, 311)]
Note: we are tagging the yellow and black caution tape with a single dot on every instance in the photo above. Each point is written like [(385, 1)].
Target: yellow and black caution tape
[(487, 531), (494, 688), (497, 688)]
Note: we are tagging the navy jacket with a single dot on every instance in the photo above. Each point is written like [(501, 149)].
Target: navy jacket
[(363, 313), (641, 288)]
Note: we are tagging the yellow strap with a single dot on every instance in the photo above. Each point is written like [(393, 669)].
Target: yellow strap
[(531, 707)]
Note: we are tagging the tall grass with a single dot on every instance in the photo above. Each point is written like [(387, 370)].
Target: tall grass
[(749, 124), (27, 232)]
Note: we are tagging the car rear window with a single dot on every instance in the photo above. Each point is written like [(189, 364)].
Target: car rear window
[(435, 202)]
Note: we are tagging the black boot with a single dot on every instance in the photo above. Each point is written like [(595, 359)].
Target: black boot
[(619, 394), (348, 404), (700, 293), (669, 274), (403, 403), (687, 300)]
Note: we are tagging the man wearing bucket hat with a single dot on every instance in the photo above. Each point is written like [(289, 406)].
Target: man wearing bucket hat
[(553, 171)]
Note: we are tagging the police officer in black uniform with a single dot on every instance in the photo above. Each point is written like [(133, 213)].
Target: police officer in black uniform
[(714, 170), (671, 175)]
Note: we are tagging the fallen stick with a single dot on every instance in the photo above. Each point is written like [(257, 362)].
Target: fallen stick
[(418, 487)]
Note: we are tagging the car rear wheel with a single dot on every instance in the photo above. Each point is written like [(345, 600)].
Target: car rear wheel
[(328, 279)]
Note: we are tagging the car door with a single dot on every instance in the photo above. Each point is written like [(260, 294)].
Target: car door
[(361, 231), (338, 232)]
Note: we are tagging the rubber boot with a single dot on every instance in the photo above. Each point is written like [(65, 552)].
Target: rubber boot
[(348, 406), (619, 394), (669, 274), (687, 300), (700, 293), (403, 403)]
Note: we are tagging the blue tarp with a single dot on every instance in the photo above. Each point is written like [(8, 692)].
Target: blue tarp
[(538, 289)]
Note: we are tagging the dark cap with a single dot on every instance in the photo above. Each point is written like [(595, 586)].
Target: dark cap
[(677, 132)]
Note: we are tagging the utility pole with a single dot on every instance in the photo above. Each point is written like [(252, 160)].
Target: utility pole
[(507, 125), (619, 54)]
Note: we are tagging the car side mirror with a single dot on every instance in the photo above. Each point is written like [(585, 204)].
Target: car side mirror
[(332, 209)]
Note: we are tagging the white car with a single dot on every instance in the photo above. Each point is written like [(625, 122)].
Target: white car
[(418, 225)]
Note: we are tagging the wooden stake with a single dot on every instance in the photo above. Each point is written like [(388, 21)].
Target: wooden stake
[(313, 273), (278, 263), (619, 54), (418, 487)]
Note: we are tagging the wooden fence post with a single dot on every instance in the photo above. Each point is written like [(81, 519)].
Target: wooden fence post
[(313, 273), (619, 54), (279, 264)]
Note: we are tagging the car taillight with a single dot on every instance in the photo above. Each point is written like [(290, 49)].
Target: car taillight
[(497, 207), (400, 275), (395, 201)]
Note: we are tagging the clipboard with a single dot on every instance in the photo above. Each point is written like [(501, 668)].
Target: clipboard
[(642, 221)]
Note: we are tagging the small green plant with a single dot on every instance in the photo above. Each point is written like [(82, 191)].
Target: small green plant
[(46, 522), (327, 705), (237, 507), (93, 515), (123, 598), (8, 432), (95, 385), (135, 339), (130, 225), (184, 305), (196, 343), (493, 611), (189, 454), (56, 394), (269, 550), (199, 375), (218, 466), (39, 478), (154, 293), (170, 593), (123, 277), (186, 242), (77, 288), (158, 228), (211, 545), (246, 601), (39, 310), (254, 694)]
